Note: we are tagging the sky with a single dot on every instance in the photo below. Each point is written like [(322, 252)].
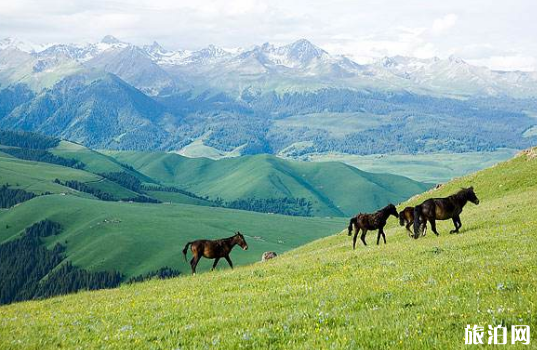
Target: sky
[(499, 34)]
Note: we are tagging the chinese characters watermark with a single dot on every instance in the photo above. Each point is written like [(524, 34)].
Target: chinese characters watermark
[(474, 335)]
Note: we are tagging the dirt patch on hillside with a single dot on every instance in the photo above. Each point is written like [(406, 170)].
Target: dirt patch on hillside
[(530, 153)]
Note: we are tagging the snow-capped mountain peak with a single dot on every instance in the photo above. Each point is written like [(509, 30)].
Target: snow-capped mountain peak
[(155, 48), (212, 51), (456, 60), (111, 40), (304, 50), (25, 46), (298, 61)]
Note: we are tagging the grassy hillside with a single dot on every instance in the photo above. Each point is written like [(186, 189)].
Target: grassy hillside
[(410, 294), (334, 189), (94, 161), (138, 238), (38, 177)]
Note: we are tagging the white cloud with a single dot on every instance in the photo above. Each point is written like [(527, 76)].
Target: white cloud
[(364, 30), (507, 63), (441, 25)]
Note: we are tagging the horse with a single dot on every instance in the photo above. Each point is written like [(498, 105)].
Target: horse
[(373, 221), (406, 216), (442, 209), (215, 249)]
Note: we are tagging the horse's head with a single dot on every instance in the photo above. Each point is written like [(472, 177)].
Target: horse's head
[(392, 210), (241, 241), (470, 195)]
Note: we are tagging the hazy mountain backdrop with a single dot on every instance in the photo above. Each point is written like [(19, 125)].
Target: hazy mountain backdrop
[(290, 100)]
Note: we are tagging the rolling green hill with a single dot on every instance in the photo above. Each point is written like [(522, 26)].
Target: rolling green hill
[(94, 161), (38, 178), (334, 189), (145, 237), (151, 235), (138, 238), (410, 294)]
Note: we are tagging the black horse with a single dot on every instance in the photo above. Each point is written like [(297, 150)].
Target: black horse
[(375, 221), (406, 218), (442, 209), (216, 249)]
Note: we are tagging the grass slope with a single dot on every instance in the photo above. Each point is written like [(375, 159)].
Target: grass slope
[(410, 294), (38, 177), (138, 238), (335, 189), (94, 161)]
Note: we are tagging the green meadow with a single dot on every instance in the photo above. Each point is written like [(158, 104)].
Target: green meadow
[(411, 294)]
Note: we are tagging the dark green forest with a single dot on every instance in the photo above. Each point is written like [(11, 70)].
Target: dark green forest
[(39, 155), (284, 206), (416, 123), (28, 270), (28, 140), (11, 196)]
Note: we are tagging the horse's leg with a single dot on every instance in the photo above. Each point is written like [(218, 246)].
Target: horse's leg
[(194, 263), (383, 235), (215, 263), (362, 237), (378, 235), (433, 226), (457, 223), (229, 261), (424, 229), (354, 238), (408, 226)]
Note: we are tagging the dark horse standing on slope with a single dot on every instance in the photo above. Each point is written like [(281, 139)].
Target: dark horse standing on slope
[(442, 209), (216, 249), (374, 221), (406, 218)]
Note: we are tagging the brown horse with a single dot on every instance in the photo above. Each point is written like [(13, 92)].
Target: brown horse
[(375, 221), (216, 249), (442, 209), (406, 216)]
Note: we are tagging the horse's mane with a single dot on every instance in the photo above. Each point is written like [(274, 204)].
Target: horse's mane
[(379, 213), (463, 193), (385, 209)]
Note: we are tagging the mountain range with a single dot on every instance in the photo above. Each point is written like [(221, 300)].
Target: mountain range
[(290, 99)]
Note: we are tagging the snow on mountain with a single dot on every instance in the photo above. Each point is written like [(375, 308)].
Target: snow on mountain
[(299, 64), (24, 46)]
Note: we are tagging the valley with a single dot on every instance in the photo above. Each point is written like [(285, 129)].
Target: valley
[(255, 174), (325, 294), (433, 168), (111, 216)]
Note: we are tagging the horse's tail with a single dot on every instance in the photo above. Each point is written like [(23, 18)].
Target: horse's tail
[(185, 250), (402, 218), (417, 222), (351, 223)]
